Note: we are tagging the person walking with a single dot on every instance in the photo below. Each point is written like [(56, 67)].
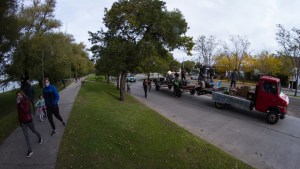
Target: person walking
[(145, 86), (25, 120), (233, 78), (149, 84), (128, 87), (41, 108), (51, 97)]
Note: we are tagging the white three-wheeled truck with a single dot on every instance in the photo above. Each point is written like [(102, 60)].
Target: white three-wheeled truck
[(267, 98)]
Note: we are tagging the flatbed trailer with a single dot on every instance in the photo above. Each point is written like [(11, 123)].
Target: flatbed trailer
[(222, 99)]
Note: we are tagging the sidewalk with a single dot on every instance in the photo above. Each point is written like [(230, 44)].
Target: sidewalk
[(13, 150)]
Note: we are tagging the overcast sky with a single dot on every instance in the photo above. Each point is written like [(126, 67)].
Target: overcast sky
[(253, 19)]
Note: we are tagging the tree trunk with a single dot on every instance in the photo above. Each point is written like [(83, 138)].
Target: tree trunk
[(107, 80), (118, 82), (122, 86)]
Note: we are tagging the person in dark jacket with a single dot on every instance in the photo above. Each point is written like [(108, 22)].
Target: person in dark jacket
[(25, 119), (233, 78), (51, 97), (145, 86), (28, 89)]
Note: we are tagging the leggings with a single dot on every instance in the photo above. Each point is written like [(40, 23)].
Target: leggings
[(53, 110), (25, 127)]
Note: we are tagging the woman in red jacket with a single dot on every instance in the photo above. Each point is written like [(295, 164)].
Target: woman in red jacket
[(25, 119)]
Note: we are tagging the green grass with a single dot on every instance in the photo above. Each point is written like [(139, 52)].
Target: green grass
[(8, 114), (104, 132), (8, 111)]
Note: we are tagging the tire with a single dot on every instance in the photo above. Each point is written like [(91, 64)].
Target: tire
[(170, 87), (219, 105), (272, 117), (193, 91)]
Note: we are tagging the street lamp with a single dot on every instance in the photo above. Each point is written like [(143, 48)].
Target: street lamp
[(43, 55)]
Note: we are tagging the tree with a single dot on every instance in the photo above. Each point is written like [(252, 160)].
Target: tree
[(142, 29), (223, 62), (35, 21), (231, 56), (9, 31), (38, 18), (41, 51), (290, 46), (189, 65), (206, 48), (267, 64), (239, 51)]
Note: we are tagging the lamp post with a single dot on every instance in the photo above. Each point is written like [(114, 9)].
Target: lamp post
[(43, 55), (43, 76)]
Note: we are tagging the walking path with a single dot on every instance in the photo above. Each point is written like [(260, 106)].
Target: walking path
[(13, 150)]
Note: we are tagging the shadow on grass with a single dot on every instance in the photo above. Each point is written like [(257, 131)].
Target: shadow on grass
[(112, 95)]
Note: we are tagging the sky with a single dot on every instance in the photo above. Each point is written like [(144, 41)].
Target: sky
[(254, 20)]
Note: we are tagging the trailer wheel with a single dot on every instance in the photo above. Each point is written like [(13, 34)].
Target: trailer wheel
[(272, 117), (219, 105), (193, 91)]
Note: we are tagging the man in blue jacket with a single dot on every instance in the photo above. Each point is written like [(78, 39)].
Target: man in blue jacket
[(51, 97)]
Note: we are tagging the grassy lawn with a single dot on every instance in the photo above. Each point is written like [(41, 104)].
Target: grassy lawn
[(8, 111), (103, 132), (8, 114)]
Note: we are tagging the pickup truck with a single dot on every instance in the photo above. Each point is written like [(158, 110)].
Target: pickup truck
[(267, 98)]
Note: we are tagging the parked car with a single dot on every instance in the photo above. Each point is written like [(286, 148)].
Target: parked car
[(131, 78), (194, 77)]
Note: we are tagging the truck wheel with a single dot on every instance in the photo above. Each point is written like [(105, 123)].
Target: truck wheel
[(193, 91), (272, 117), (219, 105)]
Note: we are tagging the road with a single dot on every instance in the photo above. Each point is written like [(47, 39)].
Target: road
[(243, 134)]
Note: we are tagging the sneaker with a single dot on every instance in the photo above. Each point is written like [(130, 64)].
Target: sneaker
[(40, 140), (29, 154), (64, 123), (53, 132)]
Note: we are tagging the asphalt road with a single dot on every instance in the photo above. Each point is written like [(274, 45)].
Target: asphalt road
[(244, 134)]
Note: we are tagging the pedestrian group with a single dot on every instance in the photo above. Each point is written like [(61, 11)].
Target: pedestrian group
[(46, 106)]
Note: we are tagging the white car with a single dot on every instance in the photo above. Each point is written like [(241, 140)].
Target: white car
[(194, 77)]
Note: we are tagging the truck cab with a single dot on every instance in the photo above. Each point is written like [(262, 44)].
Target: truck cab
[(270, 99)]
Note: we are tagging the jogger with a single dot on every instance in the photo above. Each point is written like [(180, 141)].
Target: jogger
[(54, 110), (51, 97)]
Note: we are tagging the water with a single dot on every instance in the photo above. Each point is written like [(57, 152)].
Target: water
[(10, 86)]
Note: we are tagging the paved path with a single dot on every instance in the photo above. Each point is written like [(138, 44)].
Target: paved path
[(13, 150), (243, 134)]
